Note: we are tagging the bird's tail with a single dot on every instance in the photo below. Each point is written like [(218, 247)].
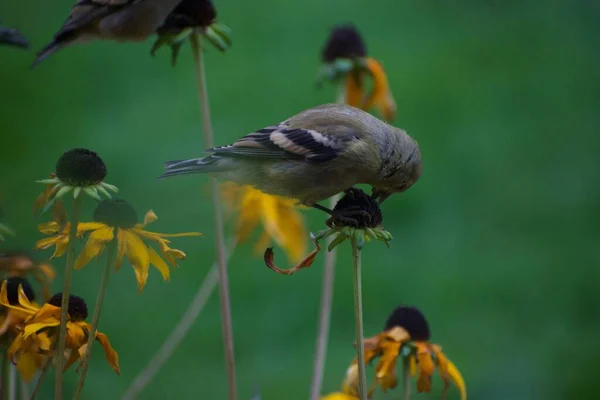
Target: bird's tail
[(192, 166), (47, 51)]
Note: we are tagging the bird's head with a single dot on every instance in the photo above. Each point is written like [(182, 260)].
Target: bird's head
[(398, 175)]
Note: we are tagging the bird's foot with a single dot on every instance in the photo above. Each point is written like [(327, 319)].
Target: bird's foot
[(349, 217)]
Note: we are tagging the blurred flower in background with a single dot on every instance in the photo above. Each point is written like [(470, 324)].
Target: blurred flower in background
[(5, 230), (40, 329), (280, 218), (406, 335), (22, 264), (345, 57)]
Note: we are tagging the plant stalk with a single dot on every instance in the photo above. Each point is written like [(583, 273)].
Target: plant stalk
[(12, 382), (45, 369), (406, 379), (110, 256), (324, 318), (358, 321), (64, 307), (177, 335), (225, 301)]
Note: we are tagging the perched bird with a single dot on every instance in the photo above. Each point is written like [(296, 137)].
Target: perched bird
[(119, 20), (314, 155)]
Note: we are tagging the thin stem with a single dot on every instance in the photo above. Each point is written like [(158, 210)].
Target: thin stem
[(12, 382), (45, 369), (3, 376), (177, 335), (358, 321), (64, 307), (324, 318), (218, 222), (112, 248), (24, 390), (406, 379)]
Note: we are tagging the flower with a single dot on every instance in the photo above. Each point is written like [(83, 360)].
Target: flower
[(190, 17), (356, 216), (406, 335), (345, 56), (39, 331), (76, 170), (116, 219), (339, 396), (281, 221), (21, 263)]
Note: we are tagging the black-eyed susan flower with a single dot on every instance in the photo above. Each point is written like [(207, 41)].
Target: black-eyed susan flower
[(405, 336), (356, 216), (21, 264), (77, 170), (345, 57), (39, 331), (339, 396), (116, 219), (191, 16), (279, 218)]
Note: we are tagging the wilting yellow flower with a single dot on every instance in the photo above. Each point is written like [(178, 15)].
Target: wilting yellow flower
[(38, 334), (339, 396), (380, 96), (281, 221), (406, 335), (21, 264), (116, 219)]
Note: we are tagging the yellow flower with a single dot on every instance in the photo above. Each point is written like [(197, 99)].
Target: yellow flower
[(117, 220), (380, 96), (281, 221), (406, 335), (339, 396), (21, 264), (38, 333)]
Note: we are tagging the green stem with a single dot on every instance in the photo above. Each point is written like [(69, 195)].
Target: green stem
[(12, 382), (178, 333), (406, 378), (64, 307), (45, 369), (358, 321), (324, 318), (112, 248), (4, 376), (224, 297)]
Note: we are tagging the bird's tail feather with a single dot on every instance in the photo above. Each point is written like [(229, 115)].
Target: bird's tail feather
[(192, 166), (48, 51)]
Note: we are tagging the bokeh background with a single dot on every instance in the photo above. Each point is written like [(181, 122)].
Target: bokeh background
[(497, 243)]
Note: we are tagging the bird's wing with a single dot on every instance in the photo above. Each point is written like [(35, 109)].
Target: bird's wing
[(86, 11), (284, 141)]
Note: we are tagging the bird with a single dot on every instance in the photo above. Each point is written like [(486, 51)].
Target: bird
[(314, 155), (118, 20), (12, 37)]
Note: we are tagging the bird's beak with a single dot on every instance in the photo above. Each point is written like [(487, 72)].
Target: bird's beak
[(380, 195), (12, 37)]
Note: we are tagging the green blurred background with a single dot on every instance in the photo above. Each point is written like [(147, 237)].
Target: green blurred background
[(497, 243)]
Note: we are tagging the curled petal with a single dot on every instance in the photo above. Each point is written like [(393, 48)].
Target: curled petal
[(49, 228), (137, 254), (150, 217), (94, 245), (159, 263), (111, 355), (307, 262)]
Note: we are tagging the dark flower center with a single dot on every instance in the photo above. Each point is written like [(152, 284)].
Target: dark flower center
[(356, 209), (411, 319), (77, 307), (80, 167), (116, 213), (12, 289), (189, 13), (344, 42)]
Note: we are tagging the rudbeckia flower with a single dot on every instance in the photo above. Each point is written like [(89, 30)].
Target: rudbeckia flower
[(39, 331), (116, 219), (339, 396), (345, 56), (280, 219), (406, 335), (22, 264), (77, 170)]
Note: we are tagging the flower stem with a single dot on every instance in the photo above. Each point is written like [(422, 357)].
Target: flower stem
[(64, 307), (110, 256), (12, 382), (324, 318), (406, 379), (182, 328), (45, 369), (218, 221), (358, 321)]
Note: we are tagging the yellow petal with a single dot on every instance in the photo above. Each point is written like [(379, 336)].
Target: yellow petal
[(33, 328), (353, 90), (137, 254), (380, 95), (48, 271), (83, 227), (28, 363), (45, 243), (250, 211), (339, 396), (458, 380), (413, 365), (159, 263), (121, 248), (111, 355), (155, 235), (150, 217), (426, 367), (61, 246), (94, 245), (73, 356), (24, 301), (386, 368), (350, 384), (292, 228), (49, 228)]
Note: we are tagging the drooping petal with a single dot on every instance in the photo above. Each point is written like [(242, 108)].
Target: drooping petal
[(380, 96), (159, 263), (73, 356), (48, 228), (289, 226), (83, 227), (77, 334), (426, 367), (448, 371), (250, 213), (95, 243), (339, 396), (386, 368), (28, 363), (353, 89), (47, 270), (150, 217), (61, 246), (5, 303), (46, 243), (137, 254), (111, 355), (121, 248), (24, 301)]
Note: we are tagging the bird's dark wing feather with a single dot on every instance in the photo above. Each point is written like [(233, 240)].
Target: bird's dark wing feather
[(283, 142), (86, 11)]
